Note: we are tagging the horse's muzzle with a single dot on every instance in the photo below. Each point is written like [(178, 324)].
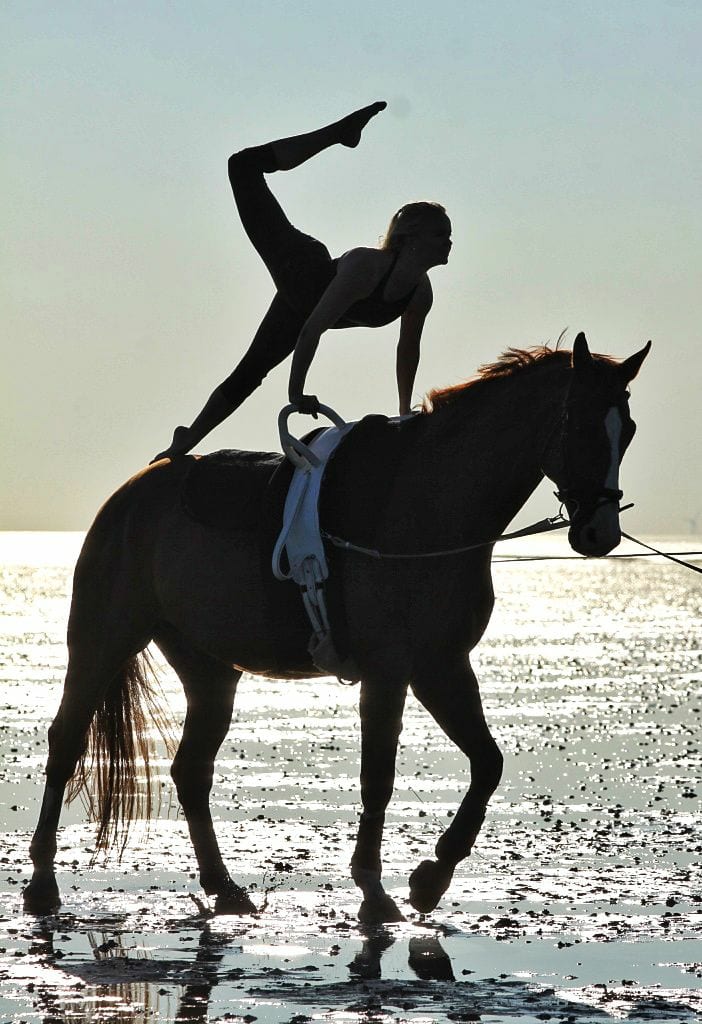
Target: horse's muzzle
[(597, 534)]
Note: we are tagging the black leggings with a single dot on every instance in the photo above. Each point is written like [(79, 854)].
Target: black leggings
[(301, 268)]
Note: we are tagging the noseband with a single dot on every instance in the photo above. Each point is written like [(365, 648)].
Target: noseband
[(585, 501)]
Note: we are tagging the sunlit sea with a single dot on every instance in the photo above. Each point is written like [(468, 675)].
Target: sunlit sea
[(582, 901)]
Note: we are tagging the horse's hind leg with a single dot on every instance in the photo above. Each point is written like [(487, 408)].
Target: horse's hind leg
[(210, 688), (454, 701), (92, 666), (67, 739), (381, 706)]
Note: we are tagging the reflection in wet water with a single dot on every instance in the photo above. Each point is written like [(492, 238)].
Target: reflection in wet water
[(138, 1000), (188, 992), (366, 963)]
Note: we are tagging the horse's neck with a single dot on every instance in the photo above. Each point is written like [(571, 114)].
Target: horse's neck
[(485, 450)]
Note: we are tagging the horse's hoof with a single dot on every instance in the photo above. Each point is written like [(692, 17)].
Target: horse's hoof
[(428, 883), (234, 900), (41, 897), (380, 910)]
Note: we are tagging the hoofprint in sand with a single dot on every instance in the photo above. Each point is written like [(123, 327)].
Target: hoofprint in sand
[(582, 901)]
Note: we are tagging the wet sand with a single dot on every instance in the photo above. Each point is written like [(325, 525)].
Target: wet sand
[(582, 901)]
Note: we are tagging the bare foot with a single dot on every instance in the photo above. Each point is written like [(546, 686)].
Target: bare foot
[(351, 126), (179, 446)]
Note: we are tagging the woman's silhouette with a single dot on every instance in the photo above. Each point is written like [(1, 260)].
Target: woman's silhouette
[(365, 287)]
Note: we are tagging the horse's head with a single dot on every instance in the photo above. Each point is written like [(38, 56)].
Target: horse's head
[(594, 432)]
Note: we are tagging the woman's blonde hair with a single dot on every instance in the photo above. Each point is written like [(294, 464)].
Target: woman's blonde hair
[(406, 222)]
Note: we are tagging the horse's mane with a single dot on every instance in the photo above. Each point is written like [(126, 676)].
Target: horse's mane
[(512, 362)]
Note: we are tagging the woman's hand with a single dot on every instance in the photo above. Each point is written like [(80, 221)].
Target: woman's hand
[(308, 405)]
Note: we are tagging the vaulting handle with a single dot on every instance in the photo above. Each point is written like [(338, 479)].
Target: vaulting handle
[(300, 454)]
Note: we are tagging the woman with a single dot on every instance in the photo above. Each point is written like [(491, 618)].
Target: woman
[(363, 288)]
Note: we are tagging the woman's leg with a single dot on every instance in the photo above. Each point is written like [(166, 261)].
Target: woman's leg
[(294, 151), (280, 245), (272, 343), (274, 340)]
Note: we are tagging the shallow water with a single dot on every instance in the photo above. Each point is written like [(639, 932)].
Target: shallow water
[(582, 901)]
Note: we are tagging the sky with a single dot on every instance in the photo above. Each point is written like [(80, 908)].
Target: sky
[(562, 137)]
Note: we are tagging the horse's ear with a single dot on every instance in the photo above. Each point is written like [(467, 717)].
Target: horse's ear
[(631, 366), (581, 353)]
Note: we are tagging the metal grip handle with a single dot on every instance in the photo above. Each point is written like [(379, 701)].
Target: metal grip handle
[(296, 450)]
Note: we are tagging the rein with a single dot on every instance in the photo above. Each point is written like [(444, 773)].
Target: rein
[(548, 525), (557, 522)]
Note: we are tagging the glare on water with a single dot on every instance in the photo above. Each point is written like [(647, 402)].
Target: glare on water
[(587, 872)]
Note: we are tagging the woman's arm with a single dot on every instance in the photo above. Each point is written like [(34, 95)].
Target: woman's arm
[(411, 326), (357, 274)]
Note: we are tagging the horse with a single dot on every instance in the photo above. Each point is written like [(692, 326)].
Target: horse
[(454, 475)]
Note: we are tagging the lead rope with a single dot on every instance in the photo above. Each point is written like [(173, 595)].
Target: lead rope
[(665, 554)]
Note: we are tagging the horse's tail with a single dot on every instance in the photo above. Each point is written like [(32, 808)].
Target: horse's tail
[(107, 775)]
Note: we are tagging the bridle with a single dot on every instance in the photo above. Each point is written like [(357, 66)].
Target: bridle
[(581, 500)]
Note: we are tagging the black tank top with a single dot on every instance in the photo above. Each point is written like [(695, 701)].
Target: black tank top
[(374, 310)]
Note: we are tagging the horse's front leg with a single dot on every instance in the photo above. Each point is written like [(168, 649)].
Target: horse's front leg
[(210, 688), (453, 699), (381, 707)]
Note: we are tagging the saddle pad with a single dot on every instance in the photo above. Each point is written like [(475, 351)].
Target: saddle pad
[(228, 489)]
